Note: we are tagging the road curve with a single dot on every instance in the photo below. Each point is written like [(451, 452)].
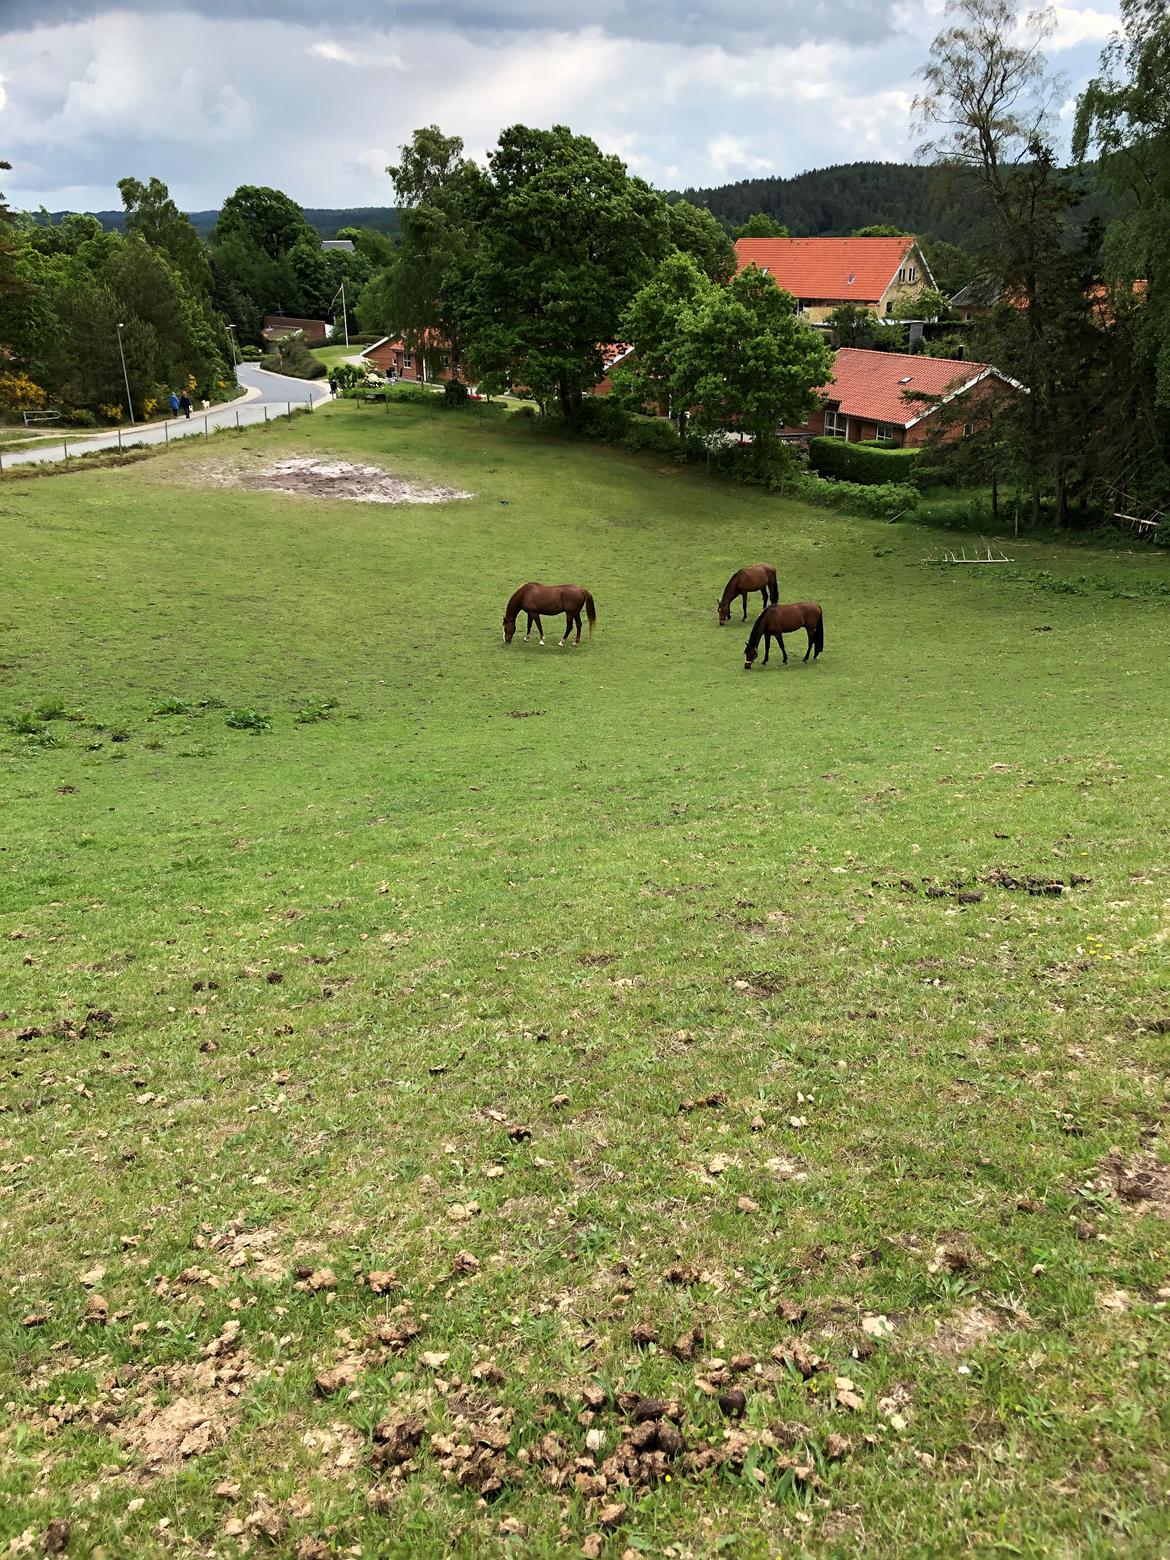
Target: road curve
[(265, 395)]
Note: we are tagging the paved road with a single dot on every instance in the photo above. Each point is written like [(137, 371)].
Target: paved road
[(266, 396)]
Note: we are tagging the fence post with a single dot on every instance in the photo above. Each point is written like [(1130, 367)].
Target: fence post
[(205, 425), (266, 411), (289, 405), (119, 438), (237, 417), (65, 447), (166, 432)]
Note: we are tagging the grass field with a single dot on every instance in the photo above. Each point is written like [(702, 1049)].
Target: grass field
[(331, 356), (400, 1095)]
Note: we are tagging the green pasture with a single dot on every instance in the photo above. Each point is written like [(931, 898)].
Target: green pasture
[(651, 1029)]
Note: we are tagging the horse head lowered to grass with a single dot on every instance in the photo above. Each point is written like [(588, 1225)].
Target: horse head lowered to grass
[(757, 576), (776, 621), (533, 599)]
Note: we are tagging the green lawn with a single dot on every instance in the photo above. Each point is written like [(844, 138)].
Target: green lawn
[(331, 356), (667, 1032)]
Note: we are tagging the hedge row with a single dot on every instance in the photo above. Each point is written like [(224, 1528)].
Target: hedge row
[(884, 501), (865, 463)]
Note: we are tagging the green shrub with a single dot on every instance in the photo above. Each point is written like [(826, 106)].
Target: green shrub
[(247, 720), (455, 393), (346, 375), (884, 501), (81, 417), (52, 709), (319, 709), (866, 463), (659, 436)]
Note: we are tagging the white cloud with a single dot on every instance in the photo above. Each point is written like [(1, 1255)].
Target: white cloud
[(731, 154), (1075, 26), (320, 109), (338, 54)]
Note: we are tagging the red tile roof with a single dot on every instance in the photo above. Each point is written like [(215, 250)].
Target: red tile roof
[(872, 385), (857, 270)]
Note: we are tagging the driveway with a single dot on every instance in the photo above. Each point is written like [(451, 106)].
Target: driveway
[(265, 396)]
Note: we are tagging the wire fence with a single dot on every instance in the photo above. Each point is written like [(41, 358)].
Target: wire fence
[(227, 419)]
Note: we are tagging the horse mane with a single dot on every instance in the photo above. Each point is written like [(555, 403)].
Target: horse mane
[(515, 602), (757, 630), (727, 591)]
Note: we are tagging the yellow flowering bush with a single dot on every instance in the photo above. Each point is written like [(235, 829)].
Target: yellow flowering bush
[(18, 393), (112, 414), (149, 406)]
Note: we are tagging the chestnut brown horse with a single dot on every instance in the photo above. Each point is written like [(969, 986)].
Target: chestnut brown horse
[(758, 576), (534, 598), (776, 621)]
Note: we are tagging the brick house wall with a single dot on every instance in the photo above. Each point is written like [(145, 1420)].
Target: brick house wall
[(393, 357)]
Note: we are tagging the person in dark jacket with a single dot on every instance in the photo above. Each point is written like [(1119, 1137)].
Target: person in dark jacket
[(185, 404)]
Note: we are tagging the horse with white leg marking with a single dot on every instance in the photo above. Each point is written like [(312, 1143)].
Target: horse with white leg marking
[(534, 598)]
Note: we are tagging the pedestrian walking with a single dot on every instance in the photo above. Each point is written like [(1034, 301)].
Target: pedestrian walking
[(174, 404), (185, 404)]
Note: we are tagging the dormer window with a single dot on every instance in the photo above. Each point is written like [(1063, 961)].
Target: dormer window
[(906, 380)]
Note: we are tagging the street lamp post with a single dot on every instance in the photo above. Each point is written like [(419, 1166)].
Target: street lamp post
[(340, 293), (125, 375), (232, 339)]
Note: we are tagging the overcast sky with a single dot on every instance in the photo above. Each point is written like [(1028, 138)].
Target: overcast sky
[(315, 98)]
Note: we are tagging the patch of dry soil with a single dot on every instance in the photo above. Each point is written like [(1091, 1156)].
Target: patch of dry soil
[(310, 477)]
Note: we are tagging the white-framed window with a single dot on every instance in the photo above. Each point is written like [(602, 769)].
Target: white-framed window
[(890, 306), (911, 273), (968, 429), (834, 424), (406, 361), (901, 273), (446, 361), (883, 433)]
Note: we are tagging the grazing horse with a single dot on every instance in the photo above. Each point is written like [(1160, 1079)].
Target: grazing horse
[(534, 598), (759, 576), (778, 621)]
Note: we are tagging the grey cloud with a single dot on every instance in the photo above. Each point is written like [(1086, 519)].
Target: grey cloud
[(736, 24)]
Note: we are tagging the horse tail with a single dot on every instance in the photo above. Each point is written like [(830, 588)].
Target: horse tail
[(590, 612), (773, 588), (819, 633)]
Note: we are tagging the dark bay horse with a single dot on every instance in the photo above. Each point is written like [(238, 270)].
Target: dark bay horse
[(758, 576), (776, 621), (534, 598)]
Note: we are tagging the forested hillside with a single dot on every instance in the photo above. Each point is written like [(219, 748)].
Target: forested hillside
[(327, 220)]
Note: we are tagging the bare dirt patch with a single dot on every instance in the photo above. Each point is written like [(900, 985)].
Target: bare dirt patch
[(965, 1330), (1141, 1183), (311, 477)]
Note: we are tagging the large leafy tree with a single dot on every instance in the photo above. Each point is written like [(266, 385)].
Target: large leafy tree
[(266, 217), (695, 232), (735, 356), (421, 293), (751, 362), (566, 238), (987, 112), (153, 215), (1124, 116), (760, 225)]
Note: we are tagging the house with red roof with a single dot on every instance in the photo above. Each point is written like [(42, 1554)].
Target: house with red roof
[(876, 395), (875, 273), (392, 357)]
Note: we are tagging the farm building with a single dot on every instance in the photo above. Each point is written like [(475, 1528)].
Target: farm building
[(873, 394), (821, 273)]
